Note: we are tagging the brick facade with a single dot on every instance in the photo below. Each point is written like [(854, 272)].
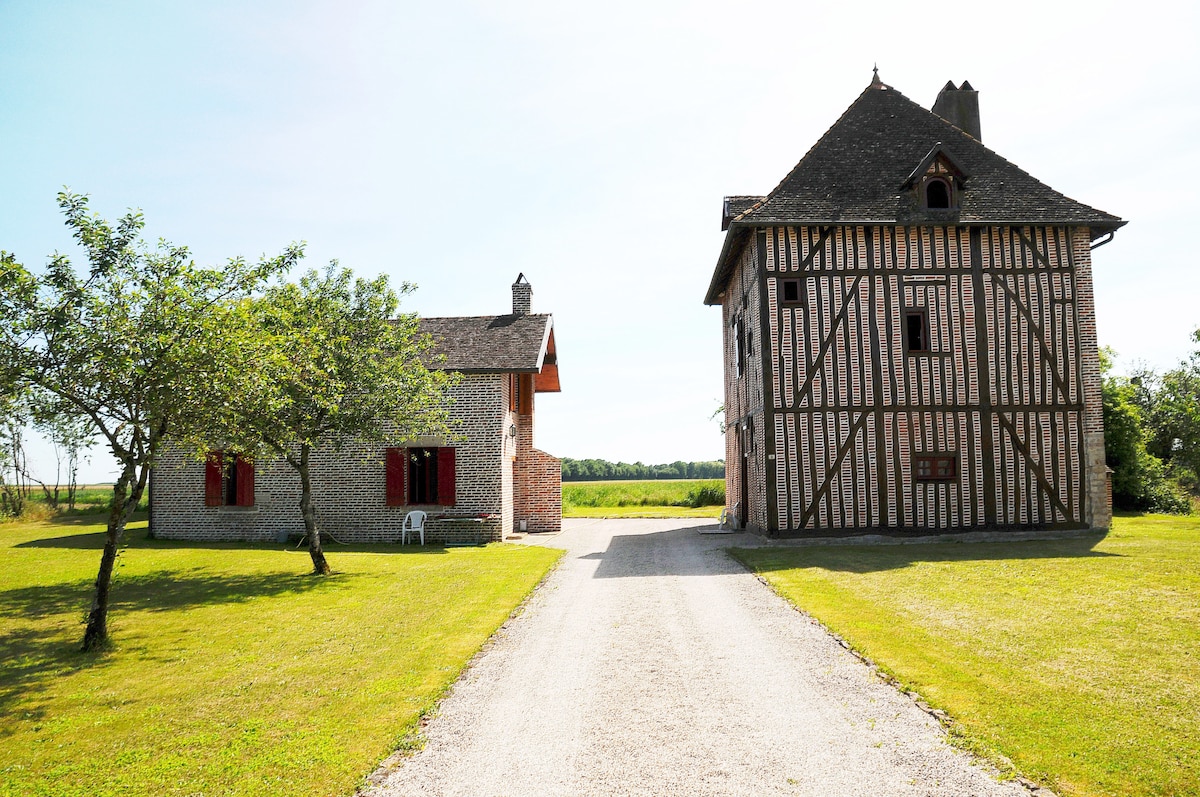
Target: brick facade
[(745, 419), (498, 479)]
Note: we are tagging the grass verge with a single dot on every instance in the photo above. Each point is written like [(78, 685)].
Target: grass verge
[(1078, 659), (232, 672)]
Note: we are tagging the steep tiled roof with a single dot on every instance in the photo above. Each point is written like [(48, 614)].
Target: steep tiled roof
[(855, 172), (491, 343)]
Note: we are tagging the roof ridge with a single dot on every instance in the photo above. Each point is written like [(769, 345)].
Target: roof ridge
[(493, 315), (884, 88), (881, 86)]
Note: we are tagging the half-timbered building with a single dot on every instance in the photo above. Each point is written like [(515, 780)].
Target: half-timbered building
[(909, 335)]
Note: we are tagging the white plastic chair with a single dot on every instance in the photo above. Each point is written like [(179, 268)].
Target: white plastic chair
[(729, 517), (414, 522)]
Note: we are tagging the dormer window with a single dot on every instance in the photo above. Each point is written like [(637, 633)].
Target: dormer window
[(938, 193), (937, 181)]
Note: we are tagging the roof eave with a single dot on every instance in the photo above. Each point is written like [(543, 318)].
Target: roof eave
[(723, 271), (488, 370)]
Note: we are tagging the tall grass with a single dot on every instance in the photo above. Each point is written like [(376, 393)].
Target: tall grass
[(89, 500), (685, 492)]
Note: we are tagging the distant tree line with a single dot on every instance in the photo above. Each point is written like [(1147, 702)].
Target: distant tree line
[(595, 470)]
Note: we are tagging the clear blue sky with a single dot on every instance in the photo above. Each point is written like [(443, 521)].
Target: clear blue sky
[(455, 144)]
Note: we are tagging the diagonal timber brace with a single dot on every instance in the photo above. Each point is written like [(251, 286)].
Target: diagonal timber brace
[(826, 485), (805, 390)]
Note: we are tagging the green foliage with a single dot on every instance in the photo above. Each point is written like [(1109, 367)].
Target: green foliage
[(332, 361), (336, 361), (1075, 658), (14, 410), (706, 495), (603, 470), (1140, 480), (143, 345), (230, 673), (1171, 405)]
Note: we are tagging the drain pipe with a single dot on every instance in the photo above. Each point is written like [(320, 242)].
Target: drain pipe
[(1105, 241)]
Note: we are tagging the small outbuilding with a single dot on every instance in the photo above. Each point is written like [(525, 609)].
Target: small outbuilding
[(479, 486)]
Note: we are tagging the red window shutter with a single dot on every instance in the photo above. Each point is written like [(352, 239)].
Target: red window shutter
[(445, 476), (245, 481), (394, 461), (214, 481)]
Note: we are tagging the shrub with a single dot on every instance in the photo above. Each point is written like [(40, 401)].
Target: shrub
[(706, 495)]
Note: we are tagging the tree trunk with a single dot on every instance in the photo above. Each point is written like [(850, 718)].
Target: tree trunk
[(308, 510), (126, 493)]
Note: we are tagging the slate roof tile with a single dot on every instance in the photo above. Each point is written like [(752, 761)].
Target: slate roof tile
[(855, 173), (491, 343)]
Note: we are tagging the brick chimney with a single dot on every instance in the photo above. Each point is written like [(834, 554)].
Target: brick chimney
[(522, 296), (960, 107)]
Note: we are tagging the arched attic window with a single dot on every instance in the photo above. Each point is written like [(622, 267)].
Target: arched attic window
[(938, 194)]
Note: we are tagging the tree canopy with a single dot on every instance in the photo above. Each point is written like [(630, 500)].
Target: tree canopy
[(603, 470), (1140, 480), (334, 362), (140, 344)]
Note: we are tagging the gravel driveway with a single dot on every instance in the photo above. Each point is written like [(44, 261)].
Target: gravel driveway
[(651, 663)]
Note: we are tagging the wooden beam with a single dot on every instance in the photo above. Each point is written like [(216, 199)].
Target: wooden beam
[(1037, 254), (1038, 333), (843, 450), (806, 389), (1034, 467), (820, 247)]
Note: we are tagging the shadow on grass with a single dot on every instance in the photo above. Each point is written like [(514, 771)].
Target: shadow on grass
[(874, 558), (164, 590), (29, 656), (136, 537)]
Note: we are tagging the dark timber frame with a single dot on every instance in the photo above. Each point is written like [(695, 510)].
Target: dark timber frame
[(1000, 386)]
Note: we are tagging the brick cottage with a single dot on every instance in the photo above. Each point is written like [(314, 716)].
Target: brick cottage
[(909, 335), (479, 487)]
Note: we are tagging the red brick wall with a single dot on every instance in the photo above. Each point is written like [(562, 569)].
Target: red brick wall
[(537, 476), (744, 418)]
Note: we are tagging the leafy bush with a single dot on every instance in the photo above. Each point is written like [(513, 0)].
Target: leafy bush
[(1140, 481), (706, 495)]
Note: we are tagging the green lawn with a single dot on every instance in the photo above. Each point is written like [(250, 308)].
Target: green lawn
[(233, 672), (1079, 659), (663, 498)]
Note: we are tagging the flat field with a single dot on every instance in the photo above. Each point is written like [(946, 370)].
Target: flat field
[(1078, 659), (700, 498), (232, 671)]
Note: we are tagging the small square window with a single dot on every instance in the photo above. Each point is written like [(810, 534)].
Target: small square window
[(935, 467), (419, 476), (916, 330), (228, 479), (790, 291)]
